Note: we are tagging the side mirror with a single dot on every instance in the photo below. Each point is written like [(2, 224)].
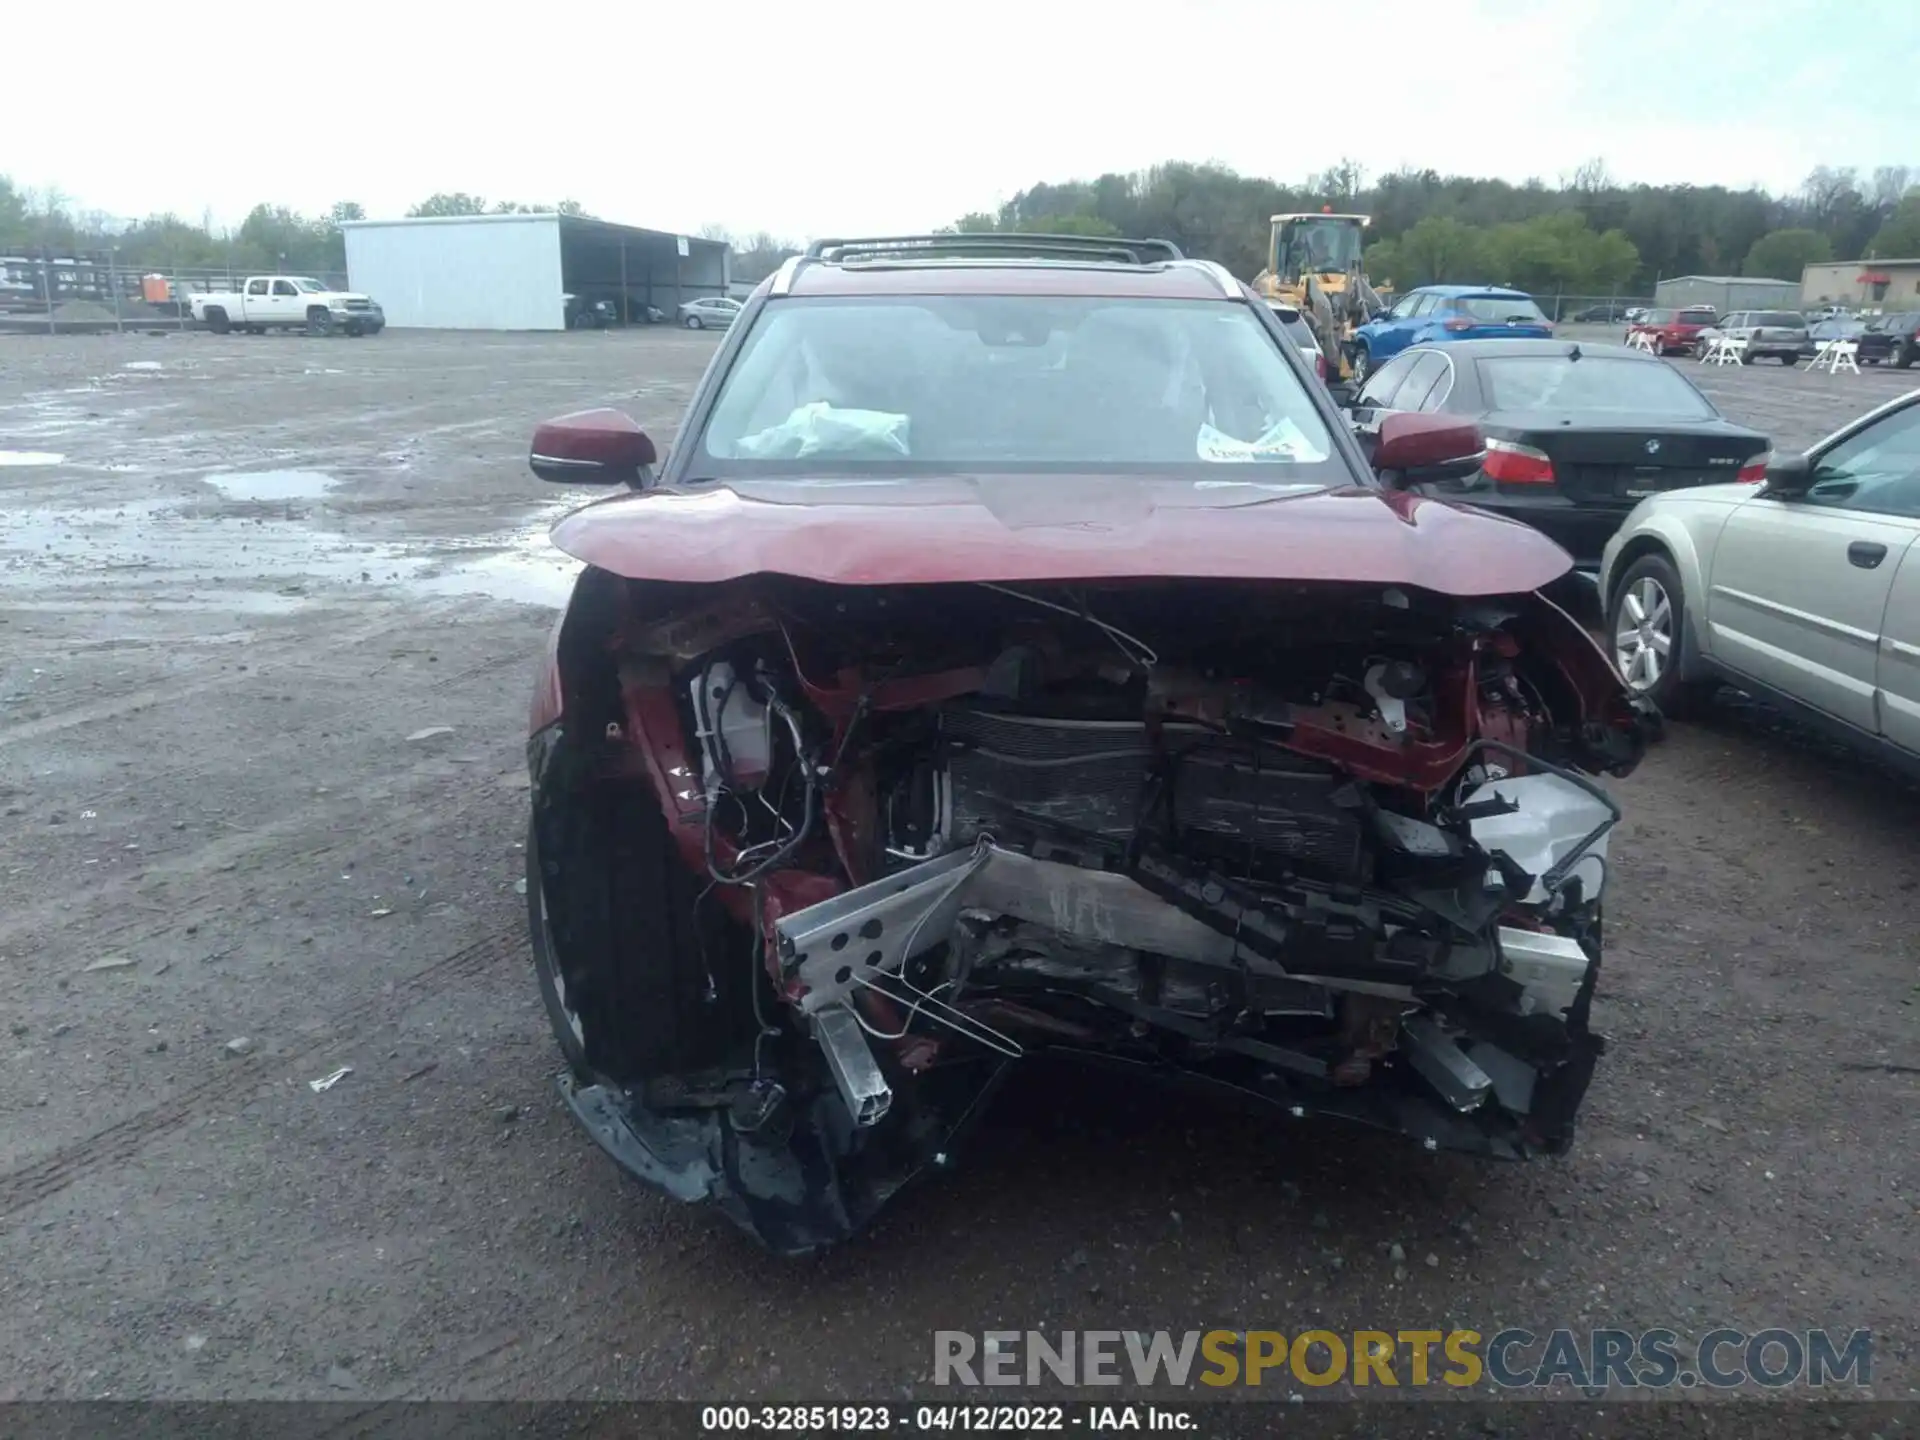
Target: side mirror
[(592, 447), (1788, 477), (1417, 448)]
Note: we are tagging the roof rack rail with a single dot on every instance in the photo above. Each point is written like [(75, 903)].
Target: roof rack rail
[(1109, 249)]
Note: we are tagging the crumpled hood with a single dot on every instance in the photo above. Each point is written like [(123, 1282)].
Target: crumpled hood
[(1010, 528)]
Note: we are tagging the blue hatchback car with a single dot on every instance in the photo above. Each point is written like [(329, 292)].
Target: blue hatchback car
[(1435, 314)]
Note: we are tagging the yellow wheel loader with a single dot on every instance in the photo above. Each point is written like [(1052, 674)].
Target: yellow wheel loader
[(1315, 264)]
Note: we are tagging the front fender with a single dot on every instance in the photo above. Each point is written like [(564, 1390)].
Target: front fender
[(547, 693), (1614, 725)]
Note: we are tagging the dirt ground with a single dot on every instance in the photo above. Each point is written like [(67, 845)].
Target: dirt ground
[(269, 612)]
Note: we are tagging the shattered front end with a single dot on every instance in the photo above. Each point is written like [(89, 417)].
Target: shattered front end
[(1332, 847)]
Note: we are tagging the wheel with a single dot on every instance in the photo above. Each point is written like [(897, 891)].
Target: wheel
[(1900, 357), (217, 320), (569, 1032), (1789, 360), (694, 322), (1362, 364), (353, 329), (1747, 357), (319, 322), (659, 980), (1647, 620)]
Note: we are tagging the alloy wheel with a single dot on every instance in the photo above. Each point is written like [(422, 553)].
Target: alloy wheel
[(1643, 637)]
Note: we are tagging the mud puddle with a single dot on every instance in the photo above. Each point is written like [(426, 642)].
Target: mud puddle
[(173, 553), (272, 484), (528, 576)]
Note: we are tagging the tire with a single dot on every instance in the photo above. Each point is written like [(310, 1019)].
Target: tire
[(1747, 357), (353, 329), (568, 1031), (319, 322), (217, 320), (1650, 606), (1900, 357), (694, 322), (669, 994), (1362, 364)]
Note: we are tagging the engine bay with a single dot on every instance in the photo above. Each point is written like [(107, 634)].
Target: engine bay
[(1334, 847)]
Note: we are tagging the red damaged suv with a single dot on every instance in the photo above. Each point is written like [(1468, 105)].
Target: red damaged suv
[(1016, 654)]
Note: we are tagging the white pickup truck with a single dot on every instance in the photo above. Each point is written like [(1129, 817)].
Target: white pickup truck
[(291, 302)]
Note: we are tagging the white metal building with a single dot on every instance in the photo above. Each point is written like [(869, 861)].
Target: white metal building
[(513, 272)]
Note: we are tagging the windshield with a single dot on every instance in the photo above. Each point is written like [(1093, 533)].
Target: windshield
[(308, 285), (916, 385), (1320, 245), (1556, 382), (1500, 309)]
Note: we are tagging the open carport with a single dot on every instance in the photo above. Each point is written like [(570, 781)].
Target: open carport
[(512, 272), (603, 261)]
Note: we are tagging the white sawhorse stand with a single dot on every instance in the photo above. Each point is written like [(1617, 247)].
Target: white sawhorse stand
[(1725, 350), (1641, 340), (1833, 356)]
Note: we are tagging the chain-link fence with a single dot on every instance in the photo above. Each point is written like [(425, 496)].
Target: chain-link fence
[(1590, 309)]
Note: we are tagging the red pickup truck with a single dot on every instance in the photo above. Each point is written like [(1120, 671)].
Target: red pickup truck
[(1674, 332)]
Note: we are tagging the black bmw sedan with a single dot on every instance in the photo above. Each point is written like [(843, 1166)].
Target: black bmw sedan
[(1577, 434)]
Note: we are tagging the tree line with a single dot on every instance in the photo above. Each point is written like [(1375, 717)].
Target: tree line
[(271, 237), (1588, 234)]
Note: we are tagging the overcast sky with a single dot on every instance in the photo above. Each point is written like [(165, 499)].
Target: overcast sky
[(834, 118)]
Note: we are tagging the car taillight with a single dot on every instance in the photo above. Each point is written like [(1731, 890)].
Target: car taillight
[(1320, 364), (1512, 464), (1754, 471)]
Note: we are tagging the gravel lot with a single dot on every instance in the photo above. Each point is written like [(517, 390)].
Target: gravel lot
[(237, 858)]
